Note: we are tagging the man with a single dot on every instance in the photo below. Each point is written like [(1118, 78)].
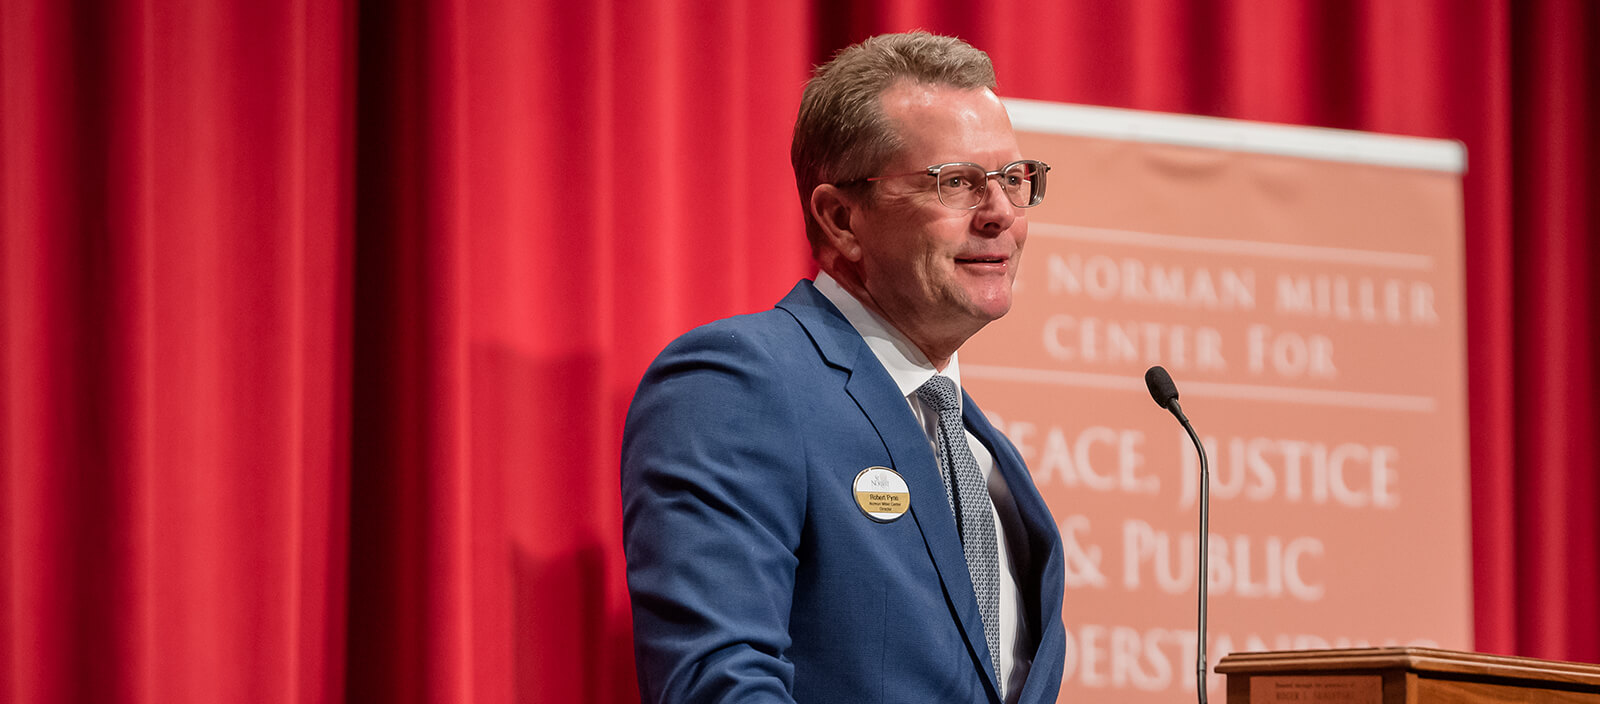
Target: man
[(813, 511)]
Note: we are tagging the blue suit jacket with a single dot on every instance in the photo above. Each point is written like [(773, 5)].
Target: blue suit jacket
[(754, 575)]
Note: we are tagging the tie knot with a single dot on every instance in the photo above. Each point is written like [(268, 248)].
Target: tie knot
[(940, 392)]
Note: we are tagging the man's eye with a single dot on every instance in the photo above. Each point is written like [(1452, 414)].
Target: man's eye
[(957, 182)]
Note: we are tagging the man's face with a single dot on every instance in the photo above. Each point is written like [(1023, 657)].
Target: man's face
[(937, 273)]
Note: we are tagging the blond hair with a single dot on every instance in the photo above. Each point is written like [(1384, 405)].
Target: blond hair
[(841, 134)]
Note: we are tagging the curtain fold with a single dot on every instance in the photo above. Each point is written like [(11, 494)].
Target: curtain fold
[(546, 194), (1554, 181), (412, 616), (172, 183), (319, 320)]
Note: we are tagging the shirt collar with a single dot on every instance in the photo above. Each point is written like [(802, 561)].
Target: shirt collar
[(906, 364)]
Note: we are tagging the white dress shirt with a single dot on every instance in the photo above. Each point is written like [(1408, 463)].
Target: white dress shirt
[(910, 369)]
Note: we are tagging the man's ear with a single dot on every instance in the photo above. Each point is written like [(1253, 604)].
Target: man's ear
[(834, 211)]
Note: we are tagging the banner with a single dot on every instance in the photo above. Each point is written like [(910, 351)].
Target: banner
[(1304, 288)]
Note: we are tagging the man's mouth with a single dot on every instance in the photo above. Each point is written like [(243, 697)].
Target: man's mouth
[(980, 260)]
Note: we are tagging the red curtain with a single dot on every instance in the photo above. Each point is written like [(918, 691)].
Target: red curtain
[(319, 319)]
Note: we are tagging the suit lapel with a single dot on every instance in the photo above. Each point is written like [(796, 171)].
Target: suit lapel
[(906, 442), (1044, 559)]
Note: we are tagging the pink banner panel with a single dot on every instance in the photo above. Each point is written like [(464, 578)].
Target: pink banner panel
[(1304, 288)]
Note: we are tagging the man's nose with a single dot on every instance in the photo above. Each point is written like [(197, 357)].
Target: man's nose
[(995, 210)]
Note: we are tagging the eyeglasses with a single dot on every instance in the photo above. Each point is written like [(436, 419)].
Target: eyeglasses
[(962, 185)]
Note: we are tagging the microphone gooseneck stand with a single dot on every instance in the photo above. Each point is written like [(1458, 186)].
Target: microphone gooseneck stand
[(1165, 394)]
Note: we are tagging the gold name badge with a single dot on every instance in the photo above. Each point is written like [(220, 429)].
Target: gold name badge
[(882, 494)]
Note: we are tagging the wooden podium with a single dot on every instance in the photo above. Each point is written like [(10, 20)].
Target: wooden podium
[(1403, 676)]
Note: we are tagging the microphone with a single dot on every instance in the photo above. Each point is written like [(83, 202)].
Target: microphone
[(1159, 382)]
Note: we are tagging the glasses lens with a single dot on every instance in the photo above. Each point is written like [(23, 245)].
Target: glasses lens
[(959, 184), (1024, 183)]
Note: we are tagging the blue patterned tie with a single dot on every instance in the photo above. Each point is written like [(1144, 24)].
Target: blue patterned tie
[(968, 494)]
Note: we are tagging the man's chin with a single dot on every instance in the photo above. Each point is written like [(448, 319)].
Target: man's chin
[(991, 307)]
